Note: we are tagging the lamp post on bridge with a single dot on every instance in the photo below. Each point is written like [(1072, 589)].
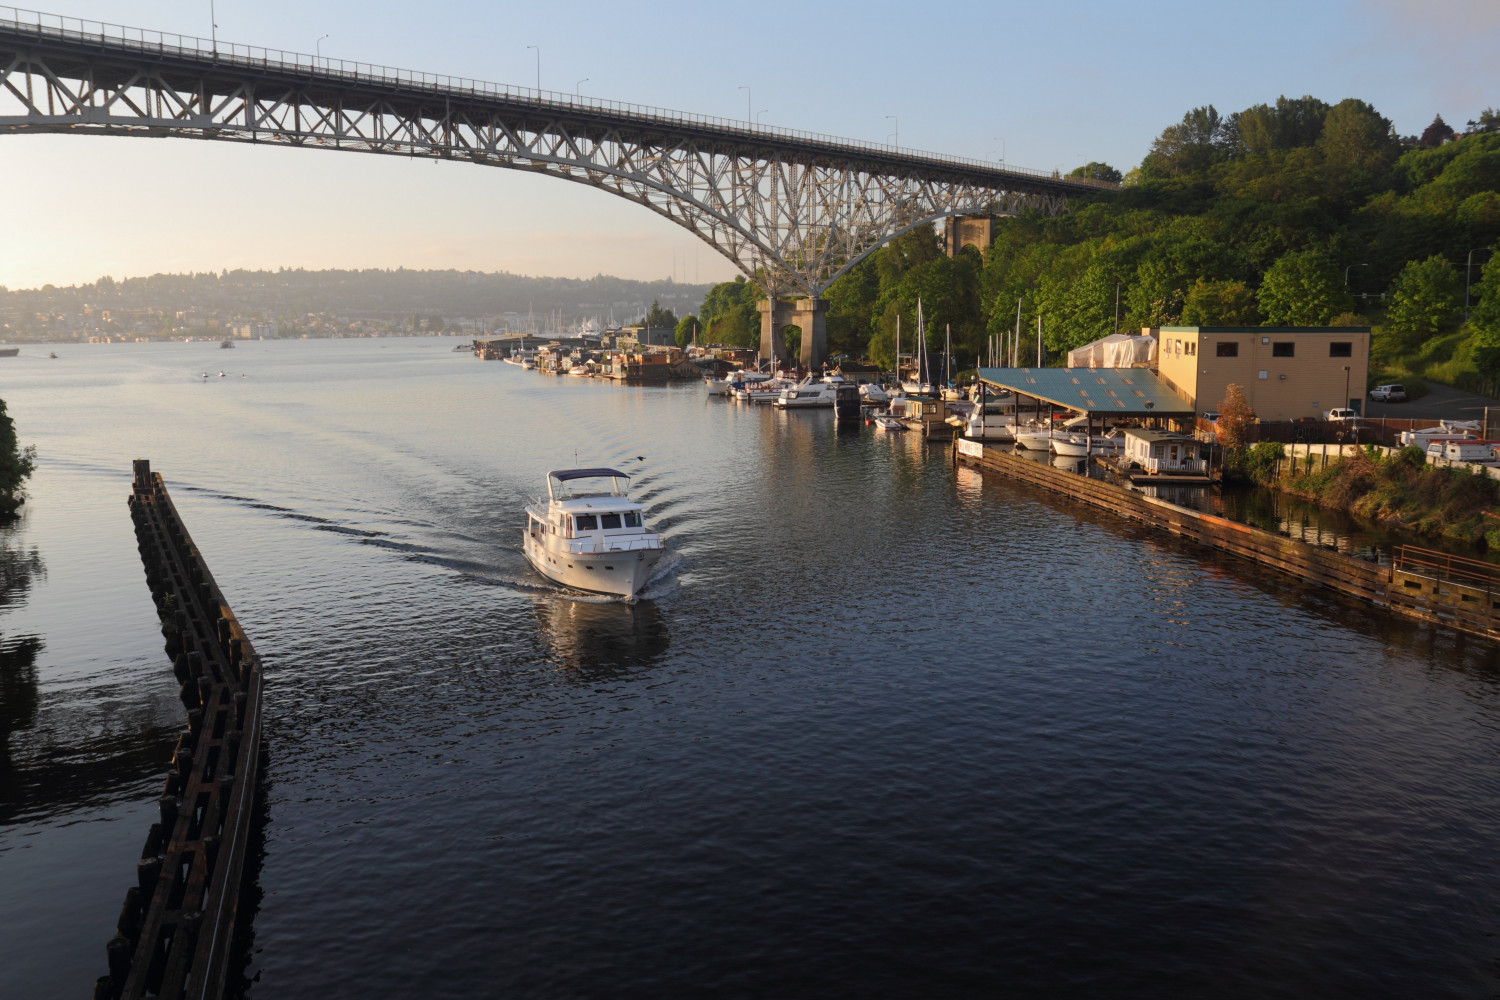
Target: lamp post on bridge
[(318, 48), (758, 114), (538, 50), (578, 88), (896, 134), (1001, 139), (213, 27)]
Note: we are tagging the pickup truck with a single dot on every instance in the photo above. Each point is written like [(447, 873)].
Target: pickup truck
[(1341, 415), (1388, 393)]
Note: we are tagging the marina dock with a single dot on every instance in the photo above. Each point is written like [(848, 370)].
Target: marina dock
[(1424, 584), (177, 926)]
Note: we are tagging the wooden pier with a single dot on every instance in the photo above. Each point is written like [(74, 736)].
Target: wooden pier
[(177, 927), (1420, 583)]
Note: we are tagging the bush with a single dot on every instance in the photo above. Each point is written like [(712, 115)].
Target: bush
[(15, 465)]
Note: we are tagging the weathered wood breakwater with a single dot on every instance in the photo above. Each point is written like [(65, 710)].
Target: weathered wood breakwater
[(177, 926), (1417, 583)]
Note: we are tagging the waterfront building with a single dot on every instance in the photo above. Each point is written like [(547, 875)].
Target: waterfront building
[(1285, 372)]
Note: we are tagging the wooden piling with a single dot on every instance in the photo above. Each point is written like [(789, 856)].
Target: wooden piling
[(178, 922)]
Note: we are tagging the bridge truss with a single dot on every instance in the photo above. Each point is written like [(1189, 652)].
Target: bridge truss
[(792, 210)]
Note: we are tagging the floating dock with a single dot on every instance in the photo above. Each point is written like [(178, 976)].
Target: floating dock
[(177, 927), (1424, 584)]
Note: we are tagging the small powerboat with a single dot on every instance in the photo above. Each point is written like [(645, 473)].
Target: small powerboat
[(889, 424)]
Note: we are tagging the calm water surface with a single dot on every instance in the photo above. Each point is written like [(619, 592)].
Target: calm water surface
[(884, 728)]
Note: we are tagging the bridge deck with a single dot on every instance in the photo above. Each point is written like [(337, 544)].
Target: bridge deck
[(106, 46)]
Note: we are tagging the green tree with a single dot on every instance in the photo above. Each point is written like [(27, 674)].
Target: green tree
[(729, 315), (1485, 319), (1219, 303), (1356, 137), (1424, 299), (687, 327), (1302, 289), (16, 464), (1097, 171), (1192, 145), (658, 318)]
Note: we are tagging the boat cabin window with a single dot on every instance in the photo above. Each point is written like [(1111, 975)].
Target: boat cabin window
[(587, 522), (607, 521), (632, 519)]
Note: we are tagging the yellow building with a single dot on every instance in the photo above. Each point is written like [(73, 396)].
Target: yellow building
[(1286, 373)]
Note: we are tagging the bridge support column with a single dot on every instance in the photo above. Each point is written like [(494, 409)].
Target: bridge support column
[(805, 314), (969, 231)]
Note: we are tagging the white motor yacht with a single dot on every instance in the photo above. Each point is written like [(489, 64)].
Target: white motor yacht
[(809, 393), (872, 393), (982, 426), (589, 537), (1076, 444), (889, 424), (1034, 438)]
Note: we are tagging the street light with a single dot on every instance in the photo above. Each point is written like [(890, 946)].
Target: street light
[(1001, 140), (213, 26), (538, 49), (748, 115), (758, 114), (578, 89), (1346, 272), (897, 133), (1468, 269), (318, 48)]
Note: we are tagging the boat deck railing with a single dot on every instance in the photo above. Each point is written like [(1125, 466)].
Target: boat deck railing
[(633, 543)]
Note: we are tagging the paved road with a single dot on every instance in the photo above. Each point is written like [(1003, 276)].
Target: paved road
[(1441, 402)]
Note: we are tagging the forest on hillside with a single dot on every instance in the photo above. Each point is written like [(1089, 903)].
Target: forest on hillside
[(1297, 212)]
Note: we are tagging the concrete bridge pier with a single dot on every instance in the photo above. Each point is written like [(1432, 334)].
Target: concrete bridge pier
[(809, 315)]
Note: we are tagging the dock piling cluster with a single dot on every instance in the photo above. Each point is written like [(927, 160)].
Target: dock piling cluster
[(177, 924)]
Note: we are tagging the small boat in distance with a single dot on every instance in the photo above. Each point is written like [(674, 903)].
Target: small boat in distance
[(591, 537), (889, 424), (227, 345), (9, 352)]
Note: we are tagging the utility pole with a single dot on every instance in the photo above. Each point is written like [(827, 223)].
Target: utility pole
[(1468, 270)]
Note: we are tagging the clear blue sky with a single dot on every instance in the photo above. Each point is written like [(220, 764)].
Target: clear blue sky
[(1062, 83)]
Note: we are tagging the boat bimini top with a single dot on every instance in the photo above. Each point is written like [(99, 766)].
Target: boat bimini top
[(568, 475)]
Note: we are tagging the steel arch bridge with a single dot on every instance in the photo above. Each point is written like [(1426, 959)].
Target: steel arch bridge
[(792, 210)]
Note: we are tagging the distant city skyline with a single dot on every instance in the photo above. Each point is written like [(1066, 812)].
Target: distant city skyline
[(1046, 87)]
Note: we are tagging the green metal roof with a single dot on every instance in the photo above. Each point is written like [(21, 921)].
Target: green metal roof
[(1121, 391)]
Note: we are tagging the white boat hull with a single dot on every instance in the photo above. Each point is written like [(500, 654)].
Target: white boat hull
[(621, 573)]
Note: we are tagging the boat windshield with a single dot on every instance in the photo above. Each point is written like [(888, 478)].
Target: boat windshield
[(584, 483)]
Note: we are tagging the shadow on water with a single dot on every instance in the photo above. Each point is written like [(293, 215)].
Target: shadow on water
[(79, 750), (18, 673), (598, 640)]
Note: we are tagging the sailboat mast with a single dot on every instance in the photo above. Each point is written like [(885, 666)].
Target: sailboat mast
[(1015, 341)]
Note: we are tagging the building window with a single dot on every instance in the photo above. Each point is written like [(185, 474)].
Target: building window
[(1264, 374), (1284, 349), (1229, 348), (1341, 349), (1192, 348)]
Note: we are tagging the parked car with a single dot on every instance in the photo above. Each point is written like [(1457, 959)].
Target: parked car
[(1339, 415), (1388, 393)]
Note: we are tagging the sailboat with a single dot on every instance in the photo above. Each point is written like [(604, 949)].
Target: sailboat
[(949, 393), (923, 382)]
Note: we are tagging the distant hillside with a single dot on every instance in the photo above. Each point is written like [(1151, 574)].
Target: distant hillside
[(384, 295)]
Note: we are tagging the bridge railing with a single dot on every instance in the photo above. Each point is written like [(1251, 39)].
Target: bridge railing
[(44, 25)]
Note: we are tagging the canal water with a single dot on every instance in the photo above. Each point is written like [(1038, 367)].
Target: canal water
[(885, 727)]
